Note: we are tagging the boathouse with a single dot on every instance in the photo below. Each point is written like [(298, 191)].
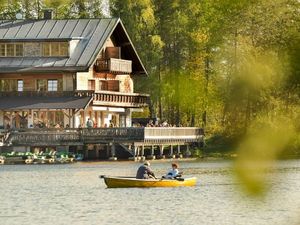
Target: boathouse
[(59, 73), (70, 84)]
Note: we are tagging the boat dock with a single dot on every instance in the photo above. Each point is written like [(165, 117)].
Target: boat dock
[(136, 143)]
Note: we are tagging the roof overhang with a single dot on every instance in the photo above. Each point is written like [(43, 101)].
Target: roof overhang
[(43, 102), (22, 70)]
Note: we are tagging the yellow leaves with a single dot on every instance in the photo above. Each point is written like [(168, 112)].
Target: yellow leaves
[(199, 37), (157, 42), (56, 3), (147, 15), (259, 150)]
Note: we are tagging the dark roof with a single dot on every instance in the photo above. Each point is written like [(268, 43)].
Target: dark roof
[(91, 33), (43, 102)]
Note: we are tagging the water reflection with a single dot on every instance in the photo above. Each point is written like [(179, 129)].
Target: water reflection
[(73, 194)]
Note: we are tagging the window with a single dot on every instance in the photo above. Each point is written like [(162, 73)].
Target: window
[(46, 49), (55, 49), (41, 85), (103, 85), (64, 48), (10, 50), (2, 50), (52, 85), (4, 85), (113, 85), (20, 85), (91, 85), (8, 85), (19, 49)]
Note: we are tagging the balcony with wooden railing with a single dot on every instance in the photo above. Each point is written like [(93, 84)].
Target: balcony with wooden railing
[(114, 65), (119, 99)]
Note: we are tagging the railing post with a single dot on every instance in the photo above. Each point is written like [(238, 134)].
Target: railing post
[(113, 152), (135, 152), (171, 150), (188, 152), (161, 150), (143, 150), (152, 150)]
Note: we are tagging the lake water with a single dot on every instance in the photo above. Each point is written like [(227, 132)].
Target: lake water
[(73, 194)]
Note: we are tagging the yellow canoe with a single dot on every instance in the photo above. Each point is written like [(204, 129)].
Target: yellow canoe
[(126, 182)]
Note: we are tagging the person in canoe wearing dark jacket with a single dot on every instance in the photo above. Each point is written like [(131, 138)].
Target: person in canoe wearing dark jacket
[(145, 172)]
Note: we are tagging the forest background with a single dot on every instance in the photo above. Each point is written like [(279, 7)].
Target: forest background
[(229, 66)]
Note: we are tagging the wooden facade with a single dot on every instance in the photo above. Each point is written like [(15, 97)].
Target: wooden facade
[(70, 83), (107, 78)]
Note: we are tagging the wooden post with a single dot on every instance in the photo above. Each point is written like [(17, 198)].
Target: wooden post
[(134, 152), (107, 151), (188, 152), (152, 150), (161, 150), (86, 151), (171, 151), (143, 150), (178, 149), (113, 150), (143, 153), (137, 150), (70, 115), (97, 151), (151, 156)]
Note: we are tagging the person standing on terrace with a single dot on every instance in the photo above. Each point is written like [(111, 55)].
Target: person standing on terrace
[(89, 123)]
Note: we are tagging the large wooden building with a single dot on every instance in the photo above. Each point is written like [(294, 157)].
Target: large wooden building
[(64, 73), (59, 73)]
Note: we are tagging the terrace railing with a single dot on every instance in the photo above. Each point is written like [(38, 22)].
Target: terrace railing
[(173, 134), (147, 135)]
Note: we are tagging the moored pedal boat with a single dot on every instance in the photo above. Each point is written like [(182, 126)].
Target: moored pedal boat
[(127, 182)]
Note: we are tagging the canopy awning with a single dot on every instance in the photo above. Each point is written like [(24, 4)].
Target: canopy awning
[(43, 102)]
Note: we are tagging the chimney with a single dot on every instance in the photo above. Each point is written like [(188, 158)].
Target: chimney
[(48, 13)]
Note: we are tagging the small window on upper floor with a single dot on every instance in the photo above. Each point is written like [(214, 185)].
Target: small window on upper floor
[(91, 85), (11, 49), (2, 50), (20, 85), (46, 49), (52, 85), (55, 85), (55, 49), (41, 85), (64, 48), (19, 49)]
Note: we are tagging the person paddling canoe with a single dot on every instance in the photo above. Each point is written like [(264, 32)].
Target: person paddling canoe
[(144, 171)]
